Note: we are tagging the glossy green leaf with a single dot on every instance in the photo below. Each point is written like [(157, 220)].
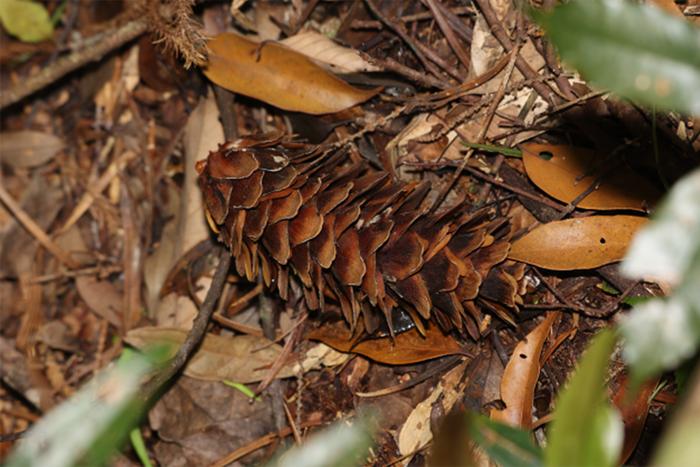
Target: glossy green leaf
[(637, 51), (506, 445), (27, 20), (586, 430)]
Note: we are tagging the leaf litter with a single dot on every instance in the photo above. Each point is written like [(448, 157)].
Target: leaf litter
[(103, 165)]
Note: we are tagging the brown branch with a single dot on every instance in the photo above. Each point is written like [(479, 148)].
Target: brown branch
[(199, 327), (61, 67)]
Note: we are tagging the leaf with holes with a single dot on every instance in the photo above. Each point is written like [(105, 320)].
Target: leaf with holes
[(566, 172), (279, 76), (580, 243), (520, 377)]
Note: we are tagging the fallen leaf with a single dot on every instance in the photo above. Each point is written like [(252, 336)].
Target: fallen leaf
[(406, 348), (634, 413), (102, 297), (580, 243), (27, 148), (416, 432), (322, 49), (520, 377), (565, 172), (241, 358), (203, 132), (279, 76), (27, 20)]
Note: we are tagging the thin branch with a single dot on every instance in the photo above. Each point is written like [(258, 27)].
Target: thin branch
[(61, 67), (199, 327)]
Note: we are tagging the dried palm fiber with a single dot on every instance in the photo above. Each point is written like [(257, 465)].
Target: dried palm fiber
[(293, 214)]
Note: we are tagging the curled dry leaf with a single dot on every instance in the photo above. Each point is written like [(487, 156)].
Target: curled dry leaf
[(520, 377), (243, 359), (634, 411), (406, 348), (279, 76), (565, 172), (322, 49), (27, 148), (580, 243)]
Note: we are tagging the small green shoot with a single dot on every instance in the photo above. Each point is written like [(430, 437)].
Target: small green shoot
[(140, 447), (242, 388)]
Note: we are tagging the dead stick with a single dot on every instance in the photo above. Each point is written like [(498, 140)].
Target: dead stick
[(72, 62), (199, 327), (35, 229)]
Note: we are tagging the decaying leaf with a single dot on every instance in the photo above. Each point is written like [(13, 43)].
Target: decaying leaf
[(322, 49), (27, 148), (279, 76), (579, 243), (565, 172), (406, 348), (520, 377), (415, 432), (244, 359)]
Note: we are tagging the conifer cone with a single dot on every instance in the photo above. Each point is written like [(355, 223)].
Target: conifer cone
[(320, 223)]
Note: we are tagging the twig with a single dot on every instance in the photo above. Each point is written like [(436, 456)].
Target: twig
[(35, 229), (72, 62), (449, 33), (257, 444), (502, 36), (199, 327), (484, 128), (401, 31)]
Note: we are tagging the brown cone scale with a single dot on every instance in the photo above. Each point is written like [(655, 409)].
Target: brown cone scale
[(289, 211)]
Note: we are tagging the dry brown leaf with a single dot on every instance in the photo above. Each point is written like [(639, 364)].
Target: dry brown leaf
[(203, 133), (322, 49), (580, 243), (416, 431), (634, 413), (570, 171), (520, 377), (406, 348), (279, 76), (102, 297), (25, 149), (243, 359)]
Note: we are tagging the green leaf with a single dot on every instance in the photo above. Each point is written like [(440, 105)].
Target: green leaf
[(140, 447), (679, 444), (341, 445), (242, 388), (660, 334), (506, 445), (89, 427), (505, 150), (27, 20), (586, 430), (637, 51)]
